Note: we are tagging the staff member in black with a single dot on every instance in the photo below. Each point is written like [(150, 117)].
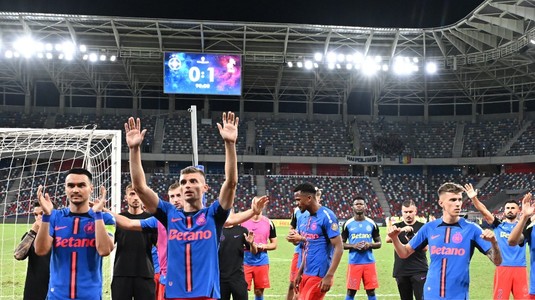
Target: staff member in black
[(410, 273)]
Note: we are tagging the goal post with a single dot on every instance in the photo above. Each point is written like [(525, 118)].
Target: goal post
[(33, 157)]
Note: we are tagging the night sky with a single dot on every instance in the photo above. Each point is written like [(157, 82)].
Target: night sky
[(369, 13)]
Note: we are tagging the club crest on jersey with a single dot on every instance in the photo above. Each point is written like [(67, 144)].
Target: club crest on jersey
[(89, 228), (201, 220), (314, 226), (334, 226), (457, 238)]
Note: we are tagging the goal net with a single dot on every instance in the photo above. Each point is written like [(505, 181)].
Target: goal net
[(33, 157)]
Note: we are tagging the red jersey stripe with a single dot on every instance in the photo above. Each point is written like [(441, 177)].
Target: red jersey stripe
[(447, 235), (76, 225), (189, 275), (72, 288), (443, 269), (189, 222)]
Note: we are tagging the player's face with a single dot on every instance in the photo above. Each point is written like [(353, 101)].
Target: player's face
[(359, 207), (409, 214), (302, 200), (175, 197), (451, 203), (78, 188), (193, 187), (132, 199), (37, 213), (510, 211)]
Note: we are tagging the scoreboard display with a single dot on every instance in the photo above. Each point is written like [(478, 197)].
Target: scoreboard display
[(202, 73)]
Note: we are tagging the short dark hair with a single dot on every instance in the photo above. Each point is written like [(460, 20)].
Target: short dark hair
[(80, 171), (511, 201), (359, 197), (408, 203), (305, 187)]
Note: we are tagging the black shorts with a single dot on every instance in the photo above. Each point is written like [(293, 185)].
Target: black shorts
[(124, 288)]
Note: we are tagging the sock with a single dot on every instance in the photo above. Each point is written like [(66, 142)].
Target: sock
[(372, 297), (349, 297), (259, 297)]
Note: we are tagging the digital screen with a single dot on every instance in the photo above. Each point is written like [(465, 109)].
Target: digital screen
[(202, 73)]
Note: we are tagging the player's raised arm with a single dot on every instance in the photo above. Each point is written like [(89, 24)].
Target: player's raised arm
[(228, 129), (516, 237), (134, 138), (257, 205), (43, 240), (472, 194), (103, 241)]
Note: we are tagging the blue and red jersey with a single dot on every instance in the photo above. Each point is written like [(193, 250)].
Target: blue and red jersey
[(529, 236), (451, 247), (75, 265), (512, 256), (318, 229), (192, 250), (353, 232)]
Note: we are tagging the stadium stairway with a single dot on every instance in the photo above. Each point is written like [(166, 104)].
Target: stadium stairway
[(260, 185), (158, 135), (381, 196), (511, 141), (458, 142)]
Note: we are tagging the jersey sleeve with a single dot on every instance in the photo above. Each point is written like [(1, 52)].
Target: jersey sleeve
[(109, 223), (331, 225), (149, 223), (345, 232), (375, 231), (220, 214), (52, 223), (293, 221), (272, 230), (162, 210), (482, 245), (420, 240)]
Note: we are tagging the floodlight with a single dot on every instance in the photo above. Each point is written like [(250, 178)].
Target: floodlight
[(308, 65), (58, 47), (49, 55), (8, 54), (318, 56), (290, 64), (330, 66), (431, 68), (299, 64), (61, 55), (341, 57), (93, 57), (532, 41), (349, 66), (102, 57), (83, 48), (316, 65), (49, 47), (85, 57), (331, 57), (25, 46), (113, 58)]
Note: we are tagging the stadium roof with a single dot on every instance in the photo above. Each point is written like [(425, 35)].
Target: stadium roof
[(486, 58)]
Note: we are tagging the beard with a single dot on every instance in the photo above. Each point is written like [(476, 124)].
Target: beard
[(510, 217)]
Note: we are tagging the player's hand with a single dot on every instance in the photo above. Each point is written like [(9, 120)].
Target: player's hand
[(37, 224), (527, 208), (44, 201), (297, 281), (294, 237), (326, 283), (134, 134), (249, 237), (258, 204), (228, 128), (407, 229), (98, 205), (470, 191), (488, 235), (393, 231)]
